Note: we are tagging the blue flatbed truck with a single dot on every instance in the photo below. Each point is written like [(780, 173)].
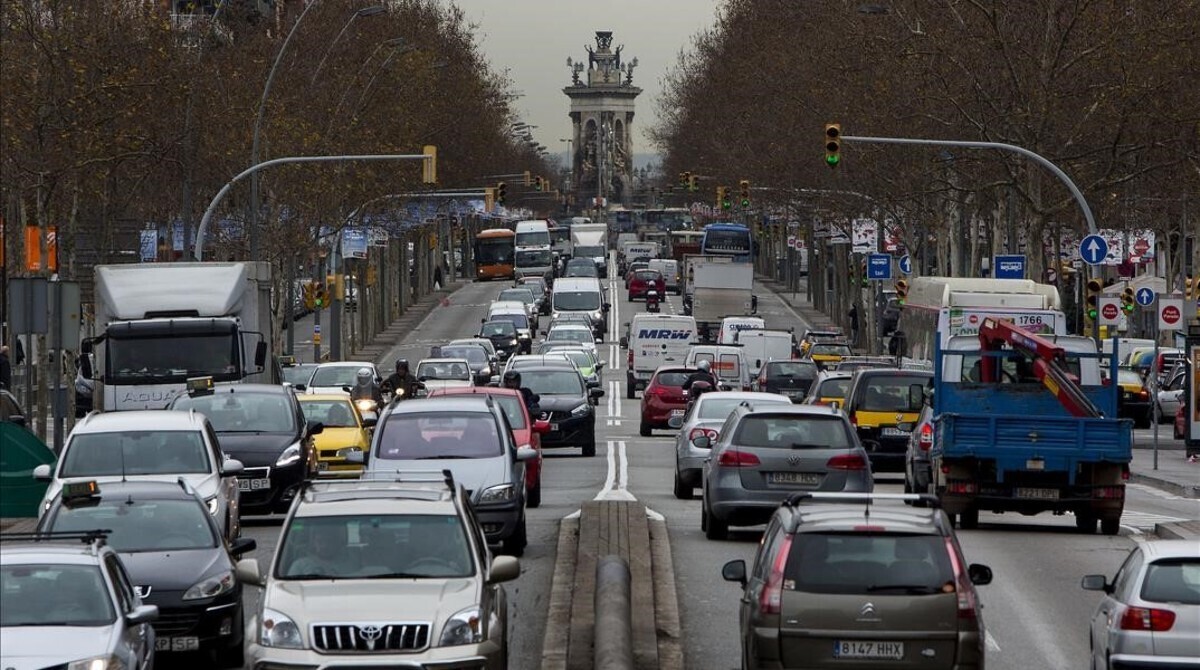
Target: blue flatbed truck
[(1033, 430)]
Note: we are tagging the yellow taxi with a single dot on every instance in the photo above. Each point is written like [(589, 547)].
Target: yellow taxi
[(346, 430), (825, 354), (829, 387)]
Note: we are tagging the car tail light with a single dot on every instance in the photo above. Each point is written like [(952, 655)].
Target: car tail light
[(847, 462), (854, 419), (1143, 394), (703, 432), (925, 440), (732, 458), (1145, 618), (1109, 492), (960, 486), (662, 391), (771, 597), (968, 608), (630, 366)]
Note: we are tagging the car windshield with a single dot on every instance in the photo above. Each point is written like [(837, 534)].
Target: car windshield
[(136, 452), (519, 294), (438, 435), (830, 350), (580, 335), (721, 408), (298, 374), (534, 258), (330, 413), (792, 431), (495, 328), (473, 355), (887, 393), (246, 411), (1173, 580), (514, 410), (447, 370), (674, 378), (383, 546), (156, 359), (581, 358), (796, 369), (833, 388), (517, 320), (33, 594), (141, 525), (335, 375), (577, 301), (1129, 377), (552, 382), (863, 564), (647, 275)]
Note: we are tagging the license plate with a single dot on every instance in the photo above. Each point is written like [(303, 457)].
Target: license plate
[(893, 432), (1037, 494), (253, 484), (893, 651), (177, 644), (322, 465), (792, 394), (677, 412), (793, 478), (554, 428)]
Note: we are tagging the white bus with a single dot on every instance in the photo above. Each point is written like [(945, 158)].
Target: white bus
[(945, 307)]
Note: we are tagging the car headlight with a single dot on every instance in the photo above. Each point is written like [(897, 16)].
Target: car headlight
[(582, 410), (278, 630), (465, 627), (487, 370), (289, 456), (513, 342), (497, 494), (211, 587), (98, 663), (213, 505), (346, 451)]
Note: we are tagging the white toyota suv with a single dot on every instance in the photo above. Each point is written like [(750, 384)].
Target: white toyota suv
[(391, 570)]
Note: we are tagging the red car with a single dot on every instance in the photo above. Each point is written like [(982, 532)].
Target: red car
[(644, 280), (526, 432), (663, 395)]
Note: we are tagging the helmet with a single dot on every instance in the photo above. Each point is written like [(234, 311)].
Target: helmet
[(364, 376), (401, 366), (512, 379), (704, 365)]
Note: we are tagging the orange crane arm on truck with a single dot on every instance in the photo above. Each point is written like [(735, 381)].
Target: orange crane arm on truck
[(1048, 363)]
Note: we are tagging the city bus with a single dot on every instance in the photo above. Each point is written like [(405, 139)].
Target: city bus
[(668, 219), (728, 239), (939, 308), (494, 252)]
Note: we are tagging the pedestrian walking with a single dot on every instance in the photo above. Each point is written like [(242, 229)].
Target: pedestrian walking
[(5, 369), (853, 314)]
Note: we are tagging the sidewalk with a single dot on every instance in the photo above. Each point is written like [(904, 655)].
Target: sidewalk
[(815, 319), (1174, 474)]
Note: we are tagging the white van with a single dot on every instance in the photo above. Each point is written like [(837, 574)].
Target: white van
[(732, 325), (655, 340), (581, 294), (762, 346), (669, 269), (532, 234), (727, 362), (532, 255)]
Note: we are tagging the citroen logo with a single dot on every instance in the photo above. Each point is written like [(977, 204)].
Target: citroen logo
[(370, 634), (142, 591), (867, 610)]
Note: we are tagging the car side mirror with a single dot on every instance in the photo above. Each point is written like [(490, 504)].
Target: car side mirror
[(1095, 583), (142, 614), (701, 441), (541, 426), (601, 364), (242, 545), (346, 389), (42, 473), (980, 575), (232, 467), (595, 393), (916, 397), (624, 342), (260, 355), (247, 572), (758, 362), (526, 454), (607, 306), (315, 428), (87, 366), (18, 419), (675, 421), (86, 346), (370, 419), (300, 387), (735, 571), (504, 569), (356, 457)]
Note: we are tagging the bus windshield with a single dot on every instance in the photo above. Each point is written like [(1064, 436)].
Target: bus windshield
[(726, 241), (494, 250)]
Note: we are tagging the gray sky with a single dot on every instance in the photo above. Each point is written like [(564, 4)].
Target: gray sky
[(532, 39)]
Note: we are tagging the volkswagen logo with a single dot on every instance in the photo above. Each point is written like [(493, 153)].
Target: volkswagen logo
[(142, 591), (370, 635), (794, 459), (899, 418)]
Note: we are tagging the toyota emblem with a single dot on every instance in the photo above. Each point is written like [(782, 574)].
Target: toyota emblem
[(370, 634)]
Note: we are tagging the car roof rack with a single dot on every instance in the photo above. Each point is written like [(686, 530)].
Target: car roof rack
[(97, 536), (444, 476), (797, 499)]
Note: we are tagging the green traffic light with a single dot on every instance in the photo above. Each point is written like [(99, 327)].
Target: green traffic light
[(1092, 314), (832, 161), (745, 202)]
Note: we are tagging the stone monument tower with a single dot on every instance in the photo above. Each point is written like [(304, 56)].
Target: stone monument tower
[(601, 143)]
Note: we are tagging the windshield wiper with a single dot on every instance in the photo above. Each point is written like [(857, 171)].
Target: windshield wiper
[(398, 575), (443, 458), (801, 445), (907, 588), (313, 575)]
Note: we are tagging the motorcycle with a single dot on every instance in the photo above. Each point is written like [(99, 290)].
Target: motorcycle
[(652, 301)]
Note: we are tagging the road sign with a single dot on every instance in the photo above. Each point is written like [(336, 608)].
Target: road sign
[(791, 242), (1170, 313), (1110, 311), (905, 264), (1009, 267), (1093, 249), (1144, 297), (879, 266)]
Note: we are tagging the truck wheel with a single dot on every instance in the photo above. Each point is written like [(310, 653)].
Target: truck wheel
[(1110, 526), (1085, 523), (644, 429), (968, 519)]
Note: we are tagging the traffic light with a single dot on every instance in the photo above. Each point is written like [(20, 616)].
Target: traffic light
[(723, 197), (1188, 292), (502, 193), (901, 290), (537, 183), (683, 179), (310, 295), (693, 184), (744, 192), (1127, 300), (320, 295), (1092, 306), (833, 144)]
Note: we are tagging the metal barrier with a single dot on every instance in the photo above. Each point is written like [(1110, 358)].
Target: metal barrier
[(613, 626)]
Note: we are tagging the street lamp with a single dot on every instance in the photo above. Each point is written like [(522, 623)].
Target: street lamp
[(365, 11)]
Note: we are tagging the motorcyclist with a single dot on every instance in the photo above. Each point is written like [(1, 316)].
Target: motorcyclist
[(704, 374), (365, 389), (401, 383), (652, 301), (512, 380)]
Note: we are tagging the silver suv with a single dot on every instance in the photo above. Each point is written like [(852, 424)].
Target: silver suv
[(71, 589), (385, 571), (839, 581)]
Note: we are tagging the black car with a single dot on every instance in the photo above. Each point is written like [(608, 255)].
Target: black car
[(175, 556), (503, 334), (789, 378), (581, 267), (566, 402), (263, 426), (477, 359)]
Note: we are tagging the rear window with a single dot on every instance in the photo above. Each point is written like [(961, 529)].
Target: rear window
[(796, 369), (648, 275), (436, 435), (830, 350), (862, 564), (721, 408), (834, 388), (792, 431), (1173, 581), (886, 393), (671, 378)]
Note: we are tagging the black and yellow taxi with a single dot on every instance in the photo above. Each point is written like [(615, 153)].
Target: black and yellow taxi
[(1134, 400), (346, 431), (878, 402)]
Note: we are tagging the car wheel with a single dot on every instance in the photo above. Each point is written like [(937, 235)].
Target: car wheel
[(233, 656), (514, 544), (1085, 523), (716, 529), (644, 429), (589, 449), (968, 519), (682, 490), (534, 497), (630, 389), (1110, 526)]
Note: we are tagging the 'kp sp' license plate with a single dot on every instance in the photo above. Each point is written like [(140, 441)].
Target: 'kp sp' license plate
[(177, 644)]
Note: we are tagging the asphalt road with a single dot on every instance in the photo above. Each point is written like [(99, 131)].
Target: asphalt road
[(1035, 612)]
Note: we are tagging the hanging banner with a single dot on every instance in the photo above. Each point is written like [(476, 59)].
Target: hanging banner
[(354, 243), (33, 250), (148, 245), (866, 236), (1141, 246)]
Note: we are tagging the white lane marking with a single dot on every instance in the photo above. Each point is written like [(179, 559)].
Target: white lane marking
[(616, 480), (611, 475), (1157, 493), (992, 644), (654, 516), (1145, 520)]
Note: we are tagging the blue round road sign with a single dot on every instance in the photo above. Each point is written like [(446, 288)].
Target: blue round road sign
[(1144, 297), (905, 264), (1093, 249)]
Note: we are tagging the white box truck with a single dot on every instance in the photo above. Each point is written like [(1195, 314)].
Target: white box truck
[(590, 240), (763, 346), (159, 324), (719, 290)]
